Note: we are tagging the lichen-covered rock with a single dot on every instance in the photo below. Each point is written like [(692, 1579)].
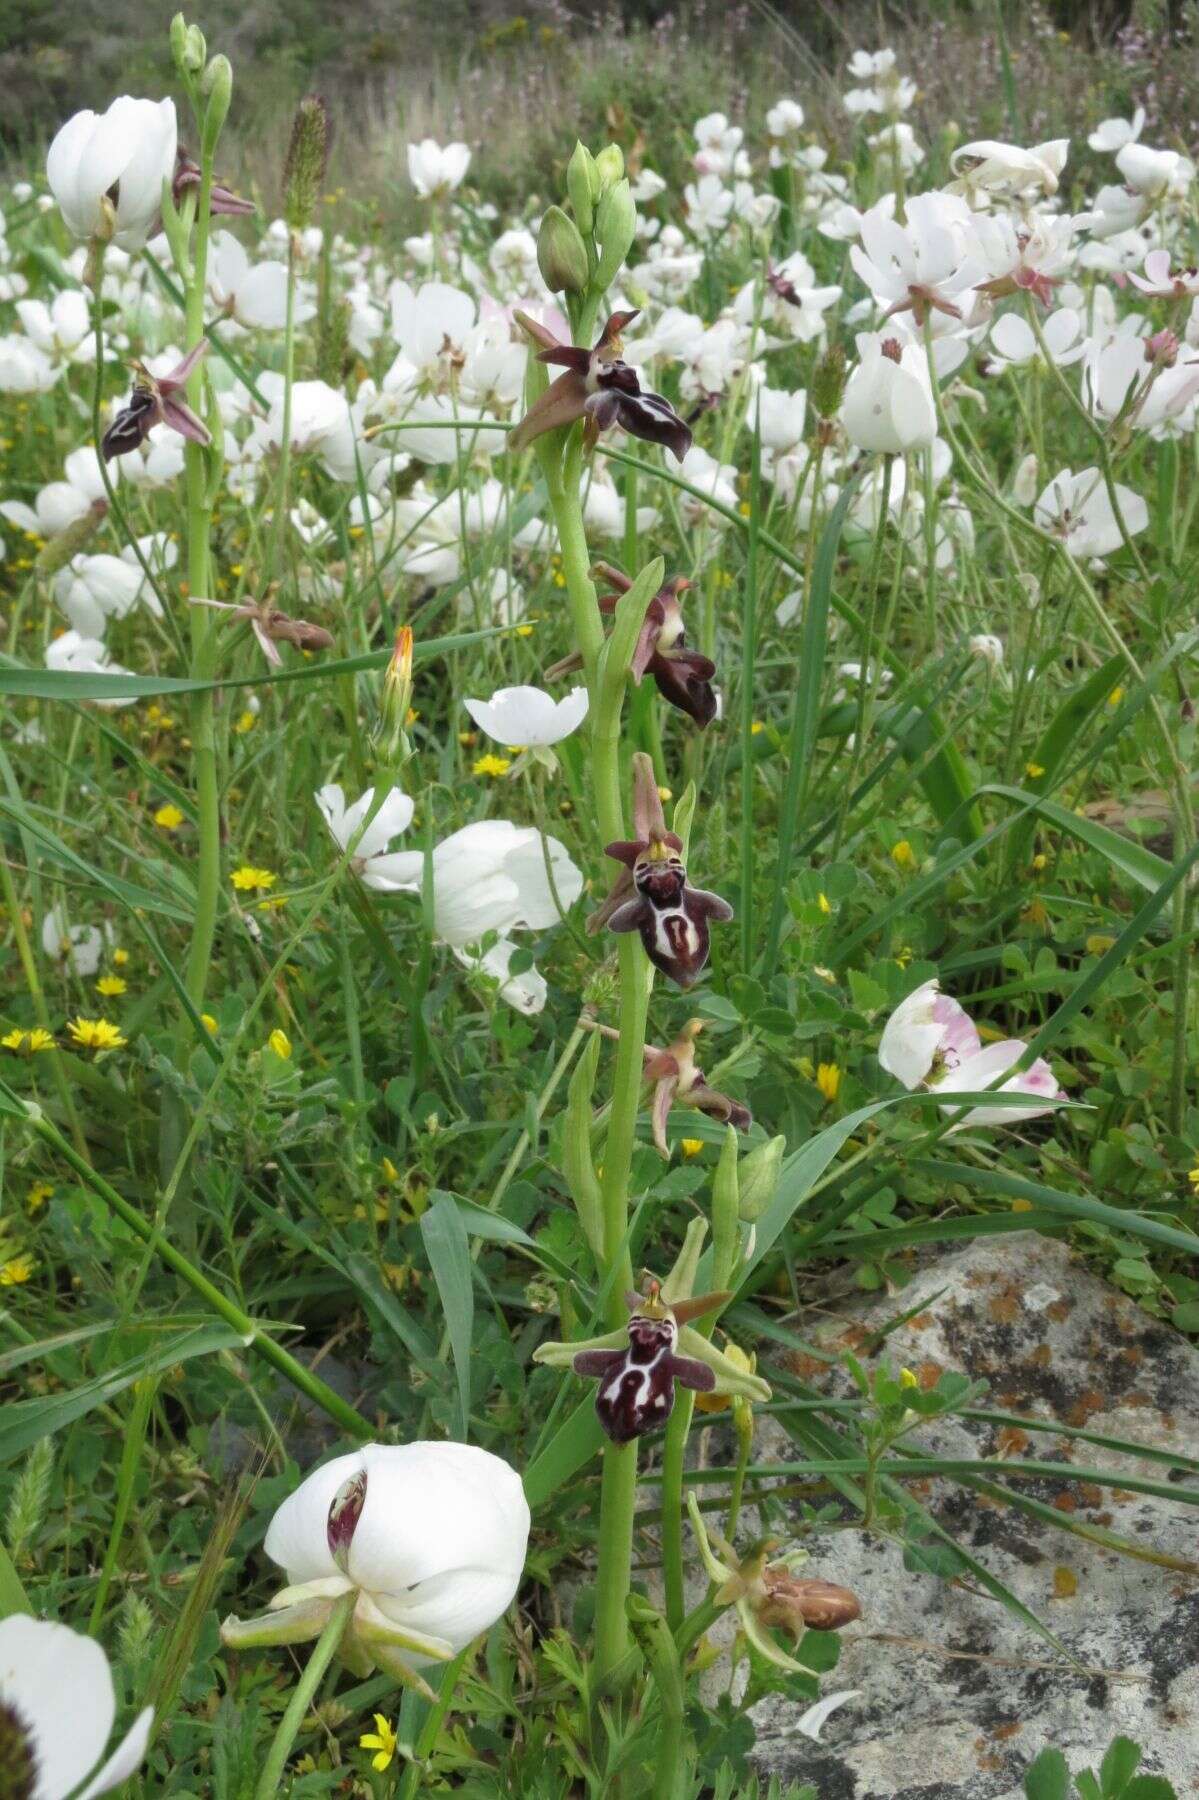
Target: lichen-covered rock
[(957, 1696)]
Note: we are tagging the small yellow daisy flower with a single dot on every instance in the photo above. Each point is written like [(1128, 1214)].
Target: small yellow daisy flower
[(245, 721), (111, 985), (120, 958), (249, 880), (280, 1043), (17, 1270), (95, 1034), (169, 817), (382, 1740), (1193, 1176), (495, 766), (756, 726), (39, 1040), (12, 1040)]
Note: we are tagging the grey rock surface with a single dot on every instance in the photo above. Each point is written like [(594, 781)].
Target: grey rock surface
[(956, 1696)]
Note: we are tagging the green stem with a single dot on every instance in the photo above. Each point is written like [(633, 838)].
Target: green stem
[(131, 1449), (618, 1489), (255, 1336), (426, 1743), (303, 1693)]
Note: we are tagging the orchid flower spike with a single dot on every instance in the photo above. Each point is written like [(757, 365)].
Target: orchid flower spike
[(671, 916), (156, 400), (766, 1594), (598, 387), (429, 1537)]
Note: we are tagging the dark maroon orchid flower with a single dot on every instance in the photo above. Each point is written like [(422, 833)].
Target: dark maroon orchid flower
[(598, 387), (156, 400), (636, 1391), (683, 677), (220, 199)]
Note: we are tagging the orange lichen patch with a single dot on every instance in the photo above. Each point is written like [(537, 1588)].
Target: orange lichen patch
[(1011, 1440), (1065, 1503), (921, 1488), (805, 1366), (1089, 1494), (1065, 1583), (928, 1374), (1041, 1357), (1085, 1407), (1133, 1354), (1008, 1729), (1057, 1310), (921, 1322), (1005, 1308)]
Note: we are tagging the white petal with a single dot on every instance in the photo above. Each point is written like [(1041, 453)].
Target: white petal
[(812, 1721), (125, 1758), (41, 1666), (297, 1537)]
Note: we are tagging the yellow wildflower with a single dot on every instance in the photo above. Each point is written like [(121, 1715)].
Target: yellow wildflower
[(1033, 770), (280, 1043), (38, 1194), (249, 880), (120, 958), (822, 902), (39, 1040), (111, 985), (209, 1024), (902, 855), (828, 1080), (382, 1740), (1115, 697), (95, 1034), (494, 766), (692, 1146), (245, 721), (17, 1270), (169, 817), (1193, 1176), (907, 1379)]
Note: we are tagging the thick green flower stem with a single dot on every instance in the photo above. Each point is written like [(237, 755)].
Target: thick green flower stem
[(303, 1694), (618, 1492), (254, 1336)]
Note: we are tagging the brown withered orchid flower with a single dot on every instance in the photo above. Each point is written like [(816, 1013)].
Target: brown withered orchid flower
[(156, 400), (598, 387), (220, 198), (671, 917), (683, 677), (271, 627), (677, 1079)]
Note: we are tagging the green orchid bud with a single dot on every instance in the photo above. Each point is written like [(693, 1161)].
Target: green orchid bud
[(725, 1209), (178, 40), (680, 1283), (758, 1178), (609, 167), (582, 187), (615, 229), (217, 83), (195, 50), (561, 253)]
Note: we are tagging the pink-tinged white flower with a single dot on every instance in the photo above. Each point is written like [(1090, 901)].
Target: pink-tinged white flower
[(1111, 135), (1078, 510), (370, 861), (888, 403), (430, 1538), (928, 1035), (61, 503), (1014, 343), (1027, 256), (1162, 281), (987, 167), (979, 1073), (925, 265), (107, 170), (435, 170), (253, 295), (719, 147), (528, 717), (44, 1668)]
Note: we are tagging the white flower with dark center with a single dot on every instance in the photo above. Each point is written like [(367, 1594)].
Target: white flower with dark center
[(81, 947), (370, 861), (1078, 510), (106, 170), (888, 403), (57, 1709), (926, 1035), (528, 717), (429, 1538)]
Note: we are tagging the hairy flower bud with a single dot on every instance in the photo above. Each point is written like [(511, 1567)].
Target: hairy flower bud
[(333, 344), (59, 550), (561, 253), (307, 159), (615, 229), (582, 186), (828, 382)]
